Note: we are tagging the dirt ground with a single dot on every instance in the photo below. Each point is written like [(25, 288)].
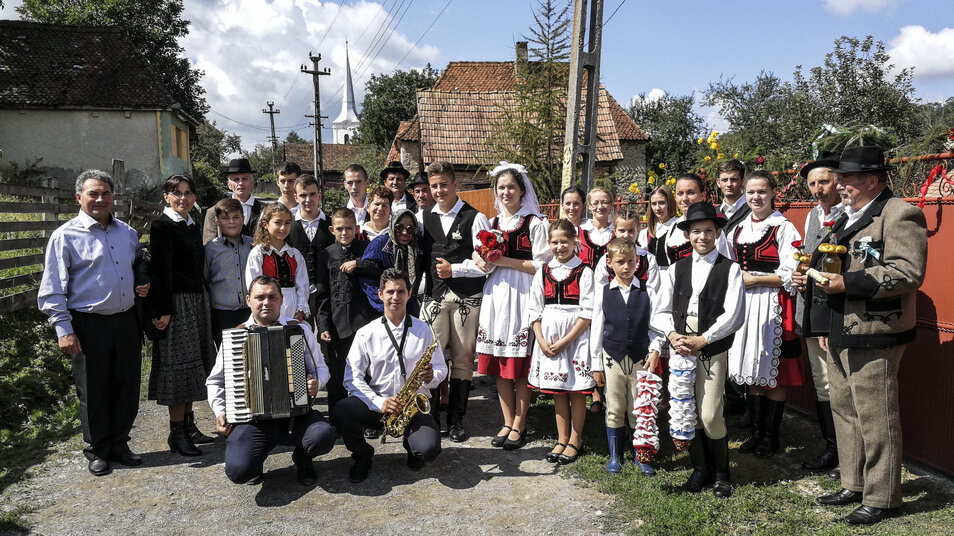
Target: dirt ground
[(472, 488)]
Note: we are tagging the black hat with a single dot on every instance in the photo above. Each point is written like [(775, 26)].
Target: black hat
[(239, 165), (867, 159), (419, 178), (825, 159), (395, 166), (701, 211)]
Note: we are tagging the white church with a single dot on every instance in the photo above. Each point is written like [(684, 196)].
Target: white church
[(345, 126)]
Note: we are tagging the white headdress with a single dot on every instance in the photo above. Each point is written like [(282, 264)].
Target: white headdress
[(529, 200)]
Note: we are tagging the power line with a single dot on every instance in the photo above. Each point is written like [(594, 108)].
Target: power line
[(295, 79), (257, 127), (613, 13), (384, 44), (421, 38)]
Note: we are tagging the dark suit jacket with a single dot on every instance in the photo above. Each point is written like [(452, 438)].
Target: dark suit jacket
[(736, 219), (342, 306), (210, 230), (411, 202)]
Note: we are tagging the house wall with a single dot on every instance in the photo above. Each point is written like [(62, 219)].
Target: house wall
[(70, 141)]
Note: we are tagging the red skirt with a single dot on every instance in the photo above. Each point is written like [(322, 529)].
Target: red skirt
[(508, 368), (791, 371)]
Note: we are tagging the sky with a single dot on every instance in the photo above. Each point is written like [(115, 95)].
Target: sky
[(252, 50)]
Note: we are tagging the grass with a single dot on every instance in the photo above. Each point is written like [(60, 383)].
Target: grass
[(773, 496)]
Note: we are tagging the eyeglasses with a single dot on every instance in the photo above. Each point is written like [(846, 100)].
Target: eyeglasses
[(179, 195), (601, 203), (405, 228)]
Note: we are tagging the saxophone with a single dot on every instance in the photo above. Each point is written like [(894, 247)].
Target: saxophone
[(412, 402)]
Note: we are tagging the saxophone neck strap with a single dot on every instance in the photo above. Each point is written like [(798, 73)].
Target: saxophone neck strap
[(399, 348)]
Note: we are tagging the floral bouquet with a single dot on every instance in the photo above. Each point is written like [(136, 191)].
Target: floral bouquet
[(646, 435), (492, 246)]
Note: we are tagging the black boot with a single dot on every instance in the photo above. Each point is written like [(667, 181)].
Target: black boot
[(769, 443), (701, 476), (436, 410), (756, 423), (197, 436), (718, 450), (456, 409), (828, 459), (179, 440)]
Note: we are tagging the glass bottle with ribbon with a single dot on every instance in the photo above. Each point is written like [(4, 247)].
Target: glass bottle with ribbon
[(831, 258)]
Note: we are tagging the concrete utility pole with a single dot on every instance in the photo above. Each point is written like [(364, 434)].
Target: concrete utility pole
[(584, 57), (316, 74), (271, 119)]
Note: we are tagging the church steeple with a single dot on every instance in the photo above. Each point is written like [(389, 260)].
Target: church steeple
[(346, 124)]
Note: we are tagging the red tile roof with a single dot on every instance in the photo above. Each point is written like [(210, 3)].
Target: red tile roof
[(335, 156)]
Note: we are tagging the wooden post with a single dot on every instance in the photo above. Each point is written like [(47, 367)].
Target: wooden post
[(50, 197), (119, 184)]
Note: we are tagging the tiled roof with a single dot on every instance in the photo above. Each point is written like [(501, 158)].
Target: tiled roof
[(335, 156), (52, 65)]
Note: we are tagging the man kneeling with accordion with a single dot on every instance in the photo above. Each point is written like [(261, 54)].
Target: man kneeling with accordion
[(392, 365), (265, 376)]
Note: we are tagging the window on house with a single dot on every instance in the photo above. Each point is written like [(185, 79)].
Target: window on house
[(180, 143)]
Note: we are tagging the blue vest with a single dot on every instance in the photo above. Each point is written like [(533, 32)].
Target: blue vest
[(626, 330)]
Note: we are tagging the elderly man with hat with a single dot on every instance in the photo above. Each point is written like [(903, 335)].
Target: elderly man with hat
[(240, 182), (869, 318), (822, 184), (422, 195), (395, 178)]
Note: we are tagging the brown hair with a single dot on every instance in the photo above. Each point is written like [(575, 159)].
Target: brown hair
[(764, 175), (288, 168), (626, 215), (344, 213), (652, 220), (441, 168), (261, 233), (619, 246), (564, 225), (356, 168), (227, 206), (732, 165), (573, 190), (383, 192), (306, 180)]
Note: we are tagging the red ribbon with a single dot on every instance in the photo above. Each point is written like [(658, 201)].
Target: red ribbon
[(927, 184)]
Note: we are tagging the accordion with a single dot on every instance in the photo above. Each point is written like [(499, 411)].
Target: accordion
[(265, 374)]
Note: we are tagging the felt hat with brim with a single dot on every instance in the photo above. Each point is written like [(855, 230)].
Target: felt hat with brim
[(419, 178), (395, 166), (701, 211), (239, 165), (863, 159), (825, 159)]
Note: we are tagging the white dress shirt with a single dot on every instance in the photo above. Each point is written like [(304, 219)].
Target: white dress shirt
[(399, 204), (855, 215), (467, 268), (728, 210), (176, 217), (819, 212), (360, 213), (310, 227), (247, 208), (373, 354), (314, 364), (728, 322)]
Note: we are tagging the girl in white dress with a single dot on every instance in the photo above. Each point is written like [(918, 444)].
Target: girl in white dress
[(690, 188), (560, 310), (662, 219), (764, 354), (504, 339), (271, 255)]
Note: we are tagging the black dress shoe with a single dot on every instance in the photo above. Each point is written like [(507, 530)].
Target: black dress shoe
[(304, 468), (514, 444), (835, 474), (414, 463), (99, 467), (868, 515), (124, 456), (554, 457), (498, 441), (840, 498), (563, 459), (722, 489), (456, 433), (359, 471), (372, 433)]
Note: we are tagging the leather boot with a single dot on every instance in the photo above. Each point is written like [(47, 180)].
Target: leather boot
[(456, 409), (828, 459), (179, 440), (756, 423), (701, 476), (718, 450), (197, 436), (615, 437), (769, 443)]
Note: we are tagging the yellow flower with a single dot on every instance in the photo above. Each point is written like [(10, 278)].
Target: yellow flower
[(670, 181), (720, 156), (634, 188), (662, 165), (736, 155), (707, 158), (651, 179), (714, 146), (700, 140), (715, 133)]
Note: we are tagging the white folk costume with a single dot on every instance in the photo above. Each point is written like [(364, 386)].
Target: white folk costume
[(656, 245), (287, 266), (678, 247), (763, 350), (559, 296), (592, 243), (369, 232), (503, 332)]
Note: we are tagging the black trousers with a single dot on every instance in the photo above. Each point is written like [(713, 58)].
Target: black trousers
[(223, 319), (337, 360), (249, 444), (107, 373), (351, 416)]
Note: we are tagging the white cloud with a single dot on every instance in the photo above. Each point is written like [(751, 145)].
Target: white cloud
[(847, 7), (929, 53), (654, 95), (251, 51)]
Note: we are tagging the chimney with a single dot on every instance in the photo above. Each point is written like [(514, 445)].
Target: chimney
[(521, 65)]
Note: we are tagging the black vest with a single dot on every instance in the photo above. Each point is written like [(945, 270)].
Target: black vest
[(711, 300), (310, 249), (626, 334), (454, 251)]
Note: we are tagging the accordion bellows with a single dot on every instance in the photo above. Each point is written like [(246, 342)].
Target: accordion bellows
[(265, 373)]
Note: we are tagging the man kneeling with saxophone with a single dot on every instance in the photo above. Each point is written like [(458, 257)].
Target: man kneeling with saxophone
[(391, 368)]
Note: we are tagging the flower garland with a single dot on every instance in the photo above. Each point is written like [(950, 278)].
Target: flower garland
[(682, 400), (646, 435)]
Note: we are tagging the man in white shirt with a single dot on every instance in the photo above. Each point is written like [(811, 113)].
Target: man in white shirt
[(241, 183), (356, 183), (395, 178), (454, 286), (383, 354), (248, 444), (733, 205)]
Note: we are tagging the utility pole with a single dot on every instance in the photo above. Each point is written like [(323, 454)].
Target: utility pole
[(271, 119), (584, 58), (316, 74)]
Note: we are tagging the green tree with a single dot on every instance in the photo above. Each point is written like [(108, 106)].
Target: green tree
[(388, 100), (673, 128), (293, 137), (210, 153), (530, 129), (154, 27)]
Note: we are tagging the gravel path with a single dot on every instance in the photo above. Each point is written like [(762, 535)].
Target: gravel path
[(471, 488)]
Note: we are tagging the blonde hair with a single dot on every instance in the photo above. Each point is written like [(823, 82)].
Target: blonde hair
[(600, 189), (261, 232), (652, 220)]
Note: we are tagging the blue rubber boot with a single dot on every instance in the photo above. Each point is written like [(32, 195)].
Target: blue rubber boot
[(615, 438)]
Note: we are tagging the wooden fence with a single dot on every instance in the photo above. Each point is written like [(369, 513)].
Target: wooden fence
[(30, 214)]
